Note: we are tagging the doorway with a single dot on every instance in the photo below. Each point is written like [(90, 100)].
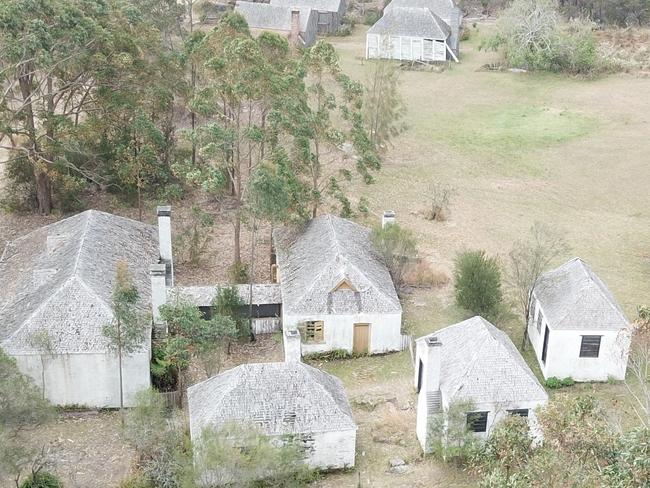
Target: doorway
[(361, 338), (545, 346)]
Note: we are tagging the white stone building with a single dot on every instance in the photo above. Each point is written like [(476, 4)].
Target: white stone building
[(335, 289), (576, 327), (416, 30), (56, 284), (298, 24), (288, 401), (329, 13), (473, 361)]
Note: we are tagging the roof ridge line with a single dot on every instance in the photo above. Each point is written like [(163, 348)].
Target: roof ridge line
[(470, 363), (81, 242)]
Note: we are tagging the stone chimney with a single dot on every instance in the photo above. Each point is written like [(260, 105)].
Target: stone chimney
[(294, 34), (387, 218), (164, 213), (158, 274), (432, 373), (292, 349)]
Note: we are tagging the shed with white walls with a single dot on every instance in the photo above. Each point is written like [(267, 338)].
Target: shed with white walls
[(576, 327), (288, 401), (335, 289), (475, 362), (57, 285)]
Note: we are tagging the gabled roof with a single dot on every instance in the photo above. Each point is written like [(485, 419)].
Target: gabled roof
[(280, 398), (442, 8), (273, 17), (412, 22), (202, 296), (60, 278), (573, 297), (319, 5), (328, 250), (480, 363)]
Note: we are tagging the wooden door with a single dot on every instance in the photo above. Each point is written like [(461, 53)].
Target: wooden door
[(361, 338), (545, 346)]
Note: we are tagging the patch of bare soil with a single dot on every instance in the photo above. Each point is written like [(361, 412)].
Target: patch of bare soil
[(86, 449)]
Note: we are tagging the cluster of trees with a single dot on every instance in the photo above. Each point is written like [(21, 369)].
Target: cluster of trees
[(623, 13)]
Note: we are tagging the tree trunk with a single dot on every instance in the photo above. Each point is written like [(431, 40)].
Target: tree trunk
[(43, 375), (119, 361), (237, 224), (250, 283)]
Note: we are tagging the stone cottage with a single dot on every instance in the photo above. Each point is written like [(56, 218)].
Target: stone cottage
[(329, 13), (297, 23), (289, 402), (475, 362), (56, 286), (576, 327), (336, 291)]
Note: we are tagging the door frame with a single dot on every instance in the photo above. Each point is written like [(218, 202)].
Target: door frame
[(354, 330)]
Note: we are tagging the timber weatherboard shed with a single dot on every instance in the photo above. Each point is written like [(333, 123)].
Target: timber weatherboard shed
[(476, 362), (576, 327), (57, 281), (329, 13), (335, 289)]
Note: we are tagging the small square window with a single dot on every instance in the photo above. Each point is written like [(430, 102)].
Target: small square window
[(521, 412), (312, 331), (477, 421), (590, 346)]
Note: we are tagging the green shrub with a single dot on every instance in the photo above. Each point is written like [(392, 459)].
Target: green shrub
[(42, 479), (136, 481), (238, 273), (335, 354), (478, 283), (553, 383), (371, 17), (568, 381)]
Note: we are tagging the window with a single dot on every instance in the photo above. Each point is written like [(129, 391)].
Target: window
[(477, 421), (539, 320), (590, 346), (521, 412), (312, 331)]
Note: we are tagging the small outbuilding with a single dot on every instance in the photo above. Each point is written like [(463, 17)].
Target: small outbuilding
[(576, 327), (473, 362), (288, 401), (329, 13), (57, 283), (336, 291), (297, 23), (416, 30)]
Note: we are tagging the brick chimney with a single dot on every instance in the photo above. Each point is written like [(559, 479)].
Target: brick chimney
[(158, 273), (387, 218), (164, 213), (292, 349), (295, 27)]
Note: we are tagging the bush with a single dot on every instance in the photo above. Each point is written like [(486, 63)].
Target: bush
[(397, 248), (136, 481), (371, 17), (554, 382), (478, 283), (422, 274), (238, 273), (42, 479)]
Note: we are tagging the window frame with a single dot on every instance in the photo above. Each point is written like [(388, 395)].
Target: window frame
[(313, 331), (483, 420), (586, 350), (521, 412)]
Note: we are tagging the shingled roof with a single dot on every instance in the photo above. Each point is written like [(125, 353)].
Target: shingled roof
[(442, 8), (273, 17), (59, 278), (480, 363), (414, 22), (573, 297), (327, 252), (320, 5), (279, 398), (202, 296)]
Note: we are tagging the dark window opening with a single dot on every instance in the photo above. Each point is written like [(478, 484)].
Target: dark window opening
[(420, 372), (477, 421), (521, 412), (590, 346)]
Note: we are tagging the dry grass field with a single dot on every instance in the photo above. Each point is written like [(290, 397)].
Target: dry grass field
[(518, 148)]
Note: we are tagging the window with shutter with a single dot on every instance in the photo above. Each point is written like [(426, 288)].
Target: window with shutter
[(477, 421), (590, 346), (313, 332)]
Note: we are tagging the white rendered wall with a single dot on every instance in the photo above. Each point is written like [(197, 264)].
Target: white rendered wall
[(385, 331), (333, 450), (563, 352), (91, 380)]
